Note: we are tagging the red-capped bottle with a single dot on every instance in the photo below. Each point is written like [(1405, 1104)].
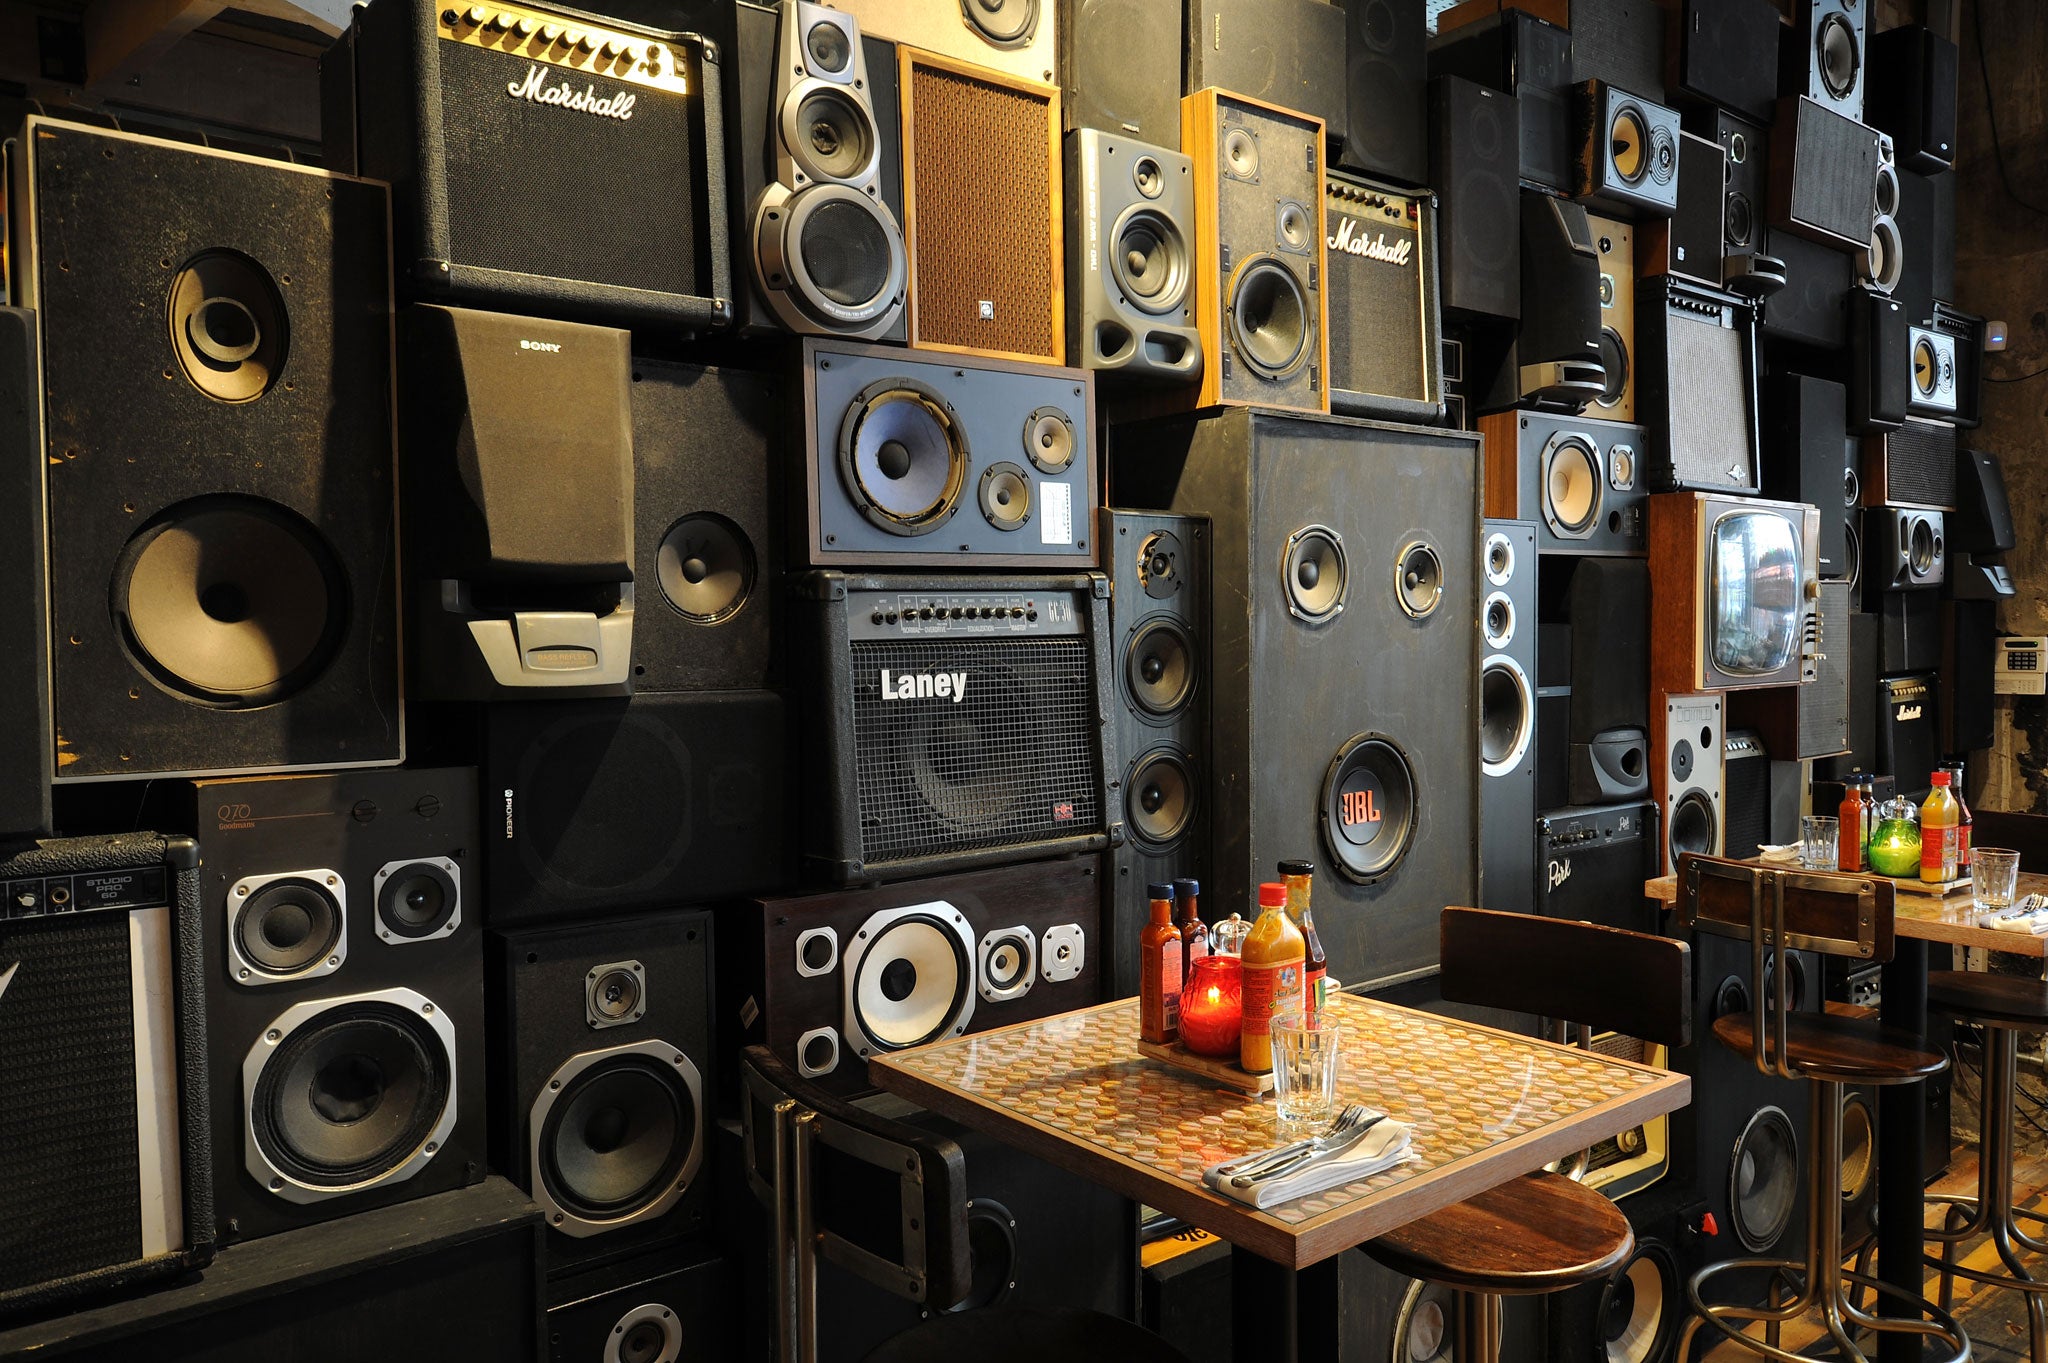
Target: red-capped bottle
[(1852, 836), (1963, 828), (1160, 977), (1194, 933)]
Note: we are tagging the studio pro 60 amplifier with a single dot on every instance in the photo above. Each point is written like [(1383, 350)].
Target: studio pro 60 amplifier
[(958, 721), (1591, 863)]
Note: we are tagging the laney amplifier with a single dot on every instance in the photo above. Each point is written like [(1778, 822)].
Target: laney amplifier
[(1386, 338), (1591, 864)]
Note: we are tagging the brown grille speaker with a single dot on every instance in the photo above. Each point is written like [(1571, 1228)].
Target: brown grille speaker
[(981, 210)]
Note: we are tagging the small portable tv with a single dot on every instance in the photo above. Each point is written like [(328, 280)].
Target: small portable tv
[(1734, 592)]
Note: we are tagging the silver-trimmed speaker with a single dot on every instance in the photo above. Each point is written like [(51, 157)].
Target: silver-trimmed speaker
[(286, 927), (589, 1201), (1908, 548), (1131, 255), (418, 900), (909, 978)]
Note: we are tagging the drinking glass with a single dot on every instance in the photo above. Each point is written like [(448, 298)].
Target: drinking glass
[(1819, 844), (1994, 876), (1305, 1064)]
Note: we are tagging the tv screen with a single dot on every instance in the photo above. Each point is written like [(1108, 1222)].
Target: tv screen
[(1755, 576)]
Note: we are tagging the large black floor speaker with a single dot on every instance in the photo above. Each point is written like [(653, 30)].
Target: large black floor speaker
[(217, 467), (1346, 565), (658, 1308), (1507, 718)]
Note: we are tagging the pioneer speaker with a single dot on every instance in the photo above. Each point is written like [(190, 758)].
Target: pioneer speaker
[(1324, 569), (1685, 774), (1914, 465), (1132, 254), (1591, 863), (822, 238), (1909, 730), (1812, 308), (226, 609), (628, 120), (646, 1310), (1608, 603), (24, 609), (1018, 38), (1821, 55), (707, 530), (1912, 95), (1284, 54), (519, 476), (1524, 57), (1799, 723), (1386, 335), (1732, 591), (1473, 137), (981, 208), (1577, 478), (1386, 132), (1725, 53), (1507, 716), (1697, 384), (1903, 547), (344, 982), (1119, 68), (103, 1069), (1159, 645), (1748, 266), (1637, 1314), (959, 721), (1614, 240), (601, 806), (913, 460), (1983, 520), (859, 973), (1823, 175), (1259, 296), (1558, 350), (601, 1078), (1689, 243), (1805, 428), (1625, 150), (1762, 796)]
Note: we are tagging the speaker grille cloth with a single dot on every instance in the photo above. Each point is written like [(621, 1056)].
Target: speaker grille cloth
[(1709, 427), (68, 1202), (982, 202), (1920, 465), (847, 253), (1014, 762), (1824, 704), (1746, 790), (546, 191), (1376, 317)]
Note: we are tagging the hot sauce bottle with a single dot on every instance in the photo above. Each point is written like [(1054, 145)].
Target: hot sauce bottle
[(1955, 788), (1160, 976), (1299, 877), (1194, 933), (1940, 826), (1273, 955), (1852, 836)]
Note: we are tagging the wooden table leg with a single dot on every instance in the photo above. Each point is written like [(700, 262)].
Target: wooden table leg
[(1901, 1142), (1279, 1315)]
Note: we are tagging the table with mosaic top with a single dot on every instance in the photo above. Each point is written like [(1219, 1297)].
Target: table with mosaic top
[(1950, 918), (1485, 1106)]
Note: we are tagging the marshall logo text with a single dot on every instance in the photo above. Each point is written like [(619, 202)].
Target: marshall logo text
[(535, 87), (1354, 240)]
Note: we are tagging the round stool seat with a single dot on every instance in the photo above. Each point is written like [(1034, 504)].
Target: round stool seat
[(1839, 1050), (1540, 1233), (1020, 1334), (1993, 1000)]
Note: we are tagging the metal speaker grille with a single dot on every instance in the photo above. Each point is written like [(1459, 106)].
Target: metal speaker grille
[(846, 250), (1015, 762), (1824, 704), (1375, 322), (67, 1101), (981, 201), (1920, 465), (1746, 796), (616, 205), (1709, 404)]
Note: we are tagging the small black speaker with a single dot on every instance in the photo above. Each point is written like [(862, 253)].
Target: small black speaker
[(1812, 309), (1912, 96), (1805, 433), (25, 694), (1289, 53), (1864, 650), (1969, 665), (1908, 631), (1821, 54), (1625, 150), (1983, 520), (1725, 53), (1909, 731), (1553, 746), (1557, 351), (1914, 465), (1591, 863), (1386, 132), (1823, 175), (1881, 362), (657, 1307), (1927, 237), (1474, 136), (1119, 68), (1746, 153), (1696, 383), (1580, 480), (1691, 243), (1620, 42), (1522, 56)]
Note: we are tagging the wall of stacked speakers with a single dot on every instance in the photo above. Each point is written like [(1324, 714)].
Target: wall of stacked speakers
[(717, 523)]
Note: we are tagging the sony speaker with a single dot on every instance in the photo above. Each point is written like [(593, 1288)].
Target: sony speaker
[(1473, 139), (1614, 240), (1823, 175), (707, 527), (658, 1307), (103, 1070), (1608, 604), (1909, 731), (1821, 54), (1812, 308), (1132, 254), (1914, 465), (344, 982), (1386, 129), (955, 721), (1912, 95), (215, 607), (1685, 774), (1805, 431), (1259, 296), (1800, 723), (818, 207), (1558, 349), (1159, 645), (629, 121), (1638, 1313), (1578, 479), (1018, 38), (1284, 54), (858, 973), (1119, 68), (519, 497), (981, 208), (1696, 383), (1386, 332), (1351, 551), (1690, 243), (601, 1078), (1529, 60), (1983, 520), (1724, 53), (1625, 150), (25, 765), (1591, 864), (1903, 547), (1507, 717), (913, 460), (600, 806)]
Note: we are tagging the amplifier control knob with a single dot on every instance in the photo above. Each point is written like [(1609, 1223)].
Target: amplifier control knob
[(500, 22), (550, 34), (657, 57), (475, 15), (924, 613), (523, 28), (582, 42)]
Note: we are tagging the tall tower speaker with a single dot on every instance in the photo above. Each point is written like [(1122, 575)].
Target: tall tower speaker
[(1386, 129), (1507, 718), (1474, 132), (1806, 431)]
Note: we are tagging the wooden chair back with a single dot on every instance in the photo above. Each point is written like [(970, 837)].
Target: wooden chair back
[(2026, 834), (1604, 979)]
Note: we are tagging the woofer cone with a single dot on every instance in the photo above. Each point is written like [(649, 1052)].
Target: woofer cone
[(1002, 23), (1763, 1179), (1270, 325), (829, 258), (1572, 482), (1859, 1150), (1005, 496), (903, 457), (962, 758), (1741, 220), (1419, 580), (1638, 1309), (1920, 548), (1926, 367), (1149, 260), (417, 901), (1159, 668), (1839, 60), (830, 134), (289, 926), (1049, 441), (1293, 230), (1614, 359), (1314, 574), (228, 326), (909, 979), (1159, 799), (1694, 826), (617, 1135), (705, 566), (1882, 263), (1368, 807), (991, 1255), (1507, 712), (1628, 144)]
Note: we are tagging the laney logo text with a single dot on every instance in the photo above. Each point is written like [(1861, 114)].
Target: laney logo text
[(535, 87), (1354, 240), (924, 686)]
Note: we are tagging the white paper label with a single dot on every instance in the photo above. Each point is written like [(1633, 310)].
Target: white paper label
[(1056, 526)]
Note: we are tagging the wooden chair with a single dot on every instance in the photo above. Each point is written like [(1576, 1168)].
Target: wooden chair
[(1544, 1232), (912, 1243), (2026, 834), (1777, 911)]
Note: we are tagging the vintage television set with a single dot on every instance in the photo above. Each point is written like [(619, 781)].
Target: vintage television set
[(1734, 592)]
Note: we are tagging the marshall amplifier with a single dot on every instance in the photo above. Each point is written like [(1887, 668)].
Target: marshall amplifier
[(1386, 337), (961, 721), (1908, 731), (540, 160), (1591, 863)]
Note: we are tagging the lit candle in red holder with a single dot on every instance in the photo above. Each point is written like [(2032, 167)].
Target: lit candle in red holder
[(1212, 1006)]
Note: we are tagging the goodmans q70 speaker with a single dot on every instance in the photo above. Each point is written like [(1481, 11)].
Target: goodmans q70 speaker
[(214, 605)]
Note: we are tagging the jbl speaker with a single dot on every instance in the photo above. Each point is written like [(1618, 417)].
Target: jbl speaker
[(1159, 645), (1625, 150), (1577, 478), (1386, 129), (1286, 54), (859, 973), (1912, 96), (981, 208), (1614, 240), (1019, 38), (1119, 68), (1724, 53), (629, 121), (1260, 295), (103, 1070), (1132, 255), (601, 1078), (1333, 741), (1608, 603), (1507, 717), (911, 459), (1821, 54), (1812, 309), (1823, 175), (1558, 350), (956, 721), (213, 606), (25, 763), (650, 1307), (1697, 384), (593, 807), (1474, 132), (1386, 331), (1914, 465), (1691, 242), (344, 982), (1685, 773), (1530, 61), (1810, 459)]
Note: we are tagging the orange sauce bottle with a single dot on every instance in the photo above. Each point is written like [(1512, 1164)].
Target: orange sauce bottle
[(1273, 957), (1940, 832), (1159, 970)]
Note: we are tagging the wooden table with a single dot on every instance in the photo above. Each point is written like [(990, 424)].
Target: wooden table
[(1951, 918)]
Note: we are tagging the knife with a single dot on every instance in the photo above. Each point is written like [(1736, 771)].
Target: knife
[(1306, 1159)]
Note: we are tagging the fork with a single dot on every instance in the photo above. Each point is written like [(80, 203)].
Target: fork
[(1336, 1147), (1347, 1119)]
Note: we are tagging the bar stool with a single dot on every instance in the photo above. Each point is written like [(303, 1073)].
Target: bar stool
[(2002, 1007), (1544, 1232), (1836, 915)]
